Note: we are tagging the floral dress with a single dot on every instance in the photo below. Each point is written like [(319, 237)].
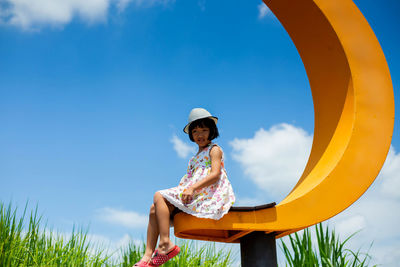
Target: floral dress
[(212, 201)]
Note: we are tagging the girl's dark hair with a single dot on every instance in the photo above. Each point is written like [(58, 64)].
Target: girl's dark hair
[(206, 122)]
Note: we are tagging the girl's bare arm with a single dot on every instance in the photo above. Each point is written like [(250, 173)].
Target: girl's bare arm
[(213, 177)]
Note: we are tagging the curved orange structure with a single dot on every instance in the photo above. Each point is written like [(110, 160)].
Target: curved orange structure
[(354, 118)]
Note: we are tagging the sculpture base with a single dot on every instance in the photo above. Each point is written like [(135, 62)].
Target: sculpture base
[(258, 249)]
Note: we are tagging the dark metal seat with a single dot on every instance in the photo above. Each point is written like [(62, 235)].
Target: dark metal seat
[(259, 207)]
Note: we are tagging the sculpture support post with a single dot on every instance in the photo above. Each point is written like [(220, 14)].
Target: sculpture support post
[(258, 249)]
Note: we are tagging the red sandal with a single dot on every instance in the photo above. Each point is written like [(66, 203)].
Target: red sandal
[(159, 259), (142, 263)]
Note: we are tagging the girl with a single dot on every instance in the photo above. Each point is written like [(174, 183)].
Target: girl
[(204, 191)]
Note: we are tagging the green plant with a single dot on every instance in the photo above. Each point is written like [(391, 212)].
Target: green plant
[(25, 242), (330, 250), (32, 246)]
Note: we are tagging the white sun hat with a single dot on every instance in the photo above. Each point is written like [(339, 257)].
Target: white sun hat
[(197, 114)]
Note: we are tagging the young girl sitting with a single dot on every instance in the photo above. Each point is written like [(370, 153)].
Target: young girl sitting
[(204, 191)]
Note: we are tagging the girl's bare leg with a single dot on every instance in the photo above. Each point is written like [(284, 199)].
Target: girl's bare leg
[(162, 214), (152, 234)]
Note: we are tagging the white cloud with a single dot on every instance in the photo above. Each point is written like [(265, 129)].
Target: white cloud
[(28, 14), (278, 156), (247, 201), (110, 246), (35, 14), (129, 219), (350, 225), (274, 159), (182, 149), (122, 4), (391, 175), (263, 10)]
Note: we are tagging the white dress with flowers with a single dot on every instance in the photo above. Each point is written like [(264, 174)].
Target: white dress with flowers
[(212, 201)]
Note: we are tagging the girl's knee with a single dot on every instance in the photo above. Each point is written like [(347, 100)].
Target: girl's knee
[(157, 196), (152, 209)]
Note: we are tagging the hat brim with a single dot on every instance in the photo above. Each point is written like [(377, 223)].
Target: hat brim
[(186, 128)]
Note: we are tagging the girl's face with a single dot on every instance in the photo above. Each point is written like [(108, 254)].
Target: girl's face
[(200, 135)]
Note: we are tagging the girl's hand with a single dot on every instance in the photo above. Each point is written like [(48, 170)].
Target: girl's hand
[(187, 195)]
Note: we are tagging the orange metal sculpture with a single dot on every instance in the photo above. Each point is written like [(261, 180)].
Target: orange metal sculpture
[(354, 118)]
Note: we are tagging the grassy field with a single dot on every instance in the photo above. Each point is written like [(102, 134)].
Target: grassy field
[(25, 241), (328, 250)]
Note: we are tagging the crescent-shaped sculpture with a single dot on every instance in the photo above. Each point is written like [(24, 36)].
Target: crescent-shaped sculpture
[(354, 118)]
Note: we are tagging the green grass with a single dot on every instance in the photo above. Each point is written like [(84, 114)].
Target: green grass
[(330, 251), (24, 242), (30, 245)]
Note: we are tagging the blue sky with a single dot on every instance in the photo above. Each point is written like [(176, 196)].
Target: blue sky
[(94, 96)]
